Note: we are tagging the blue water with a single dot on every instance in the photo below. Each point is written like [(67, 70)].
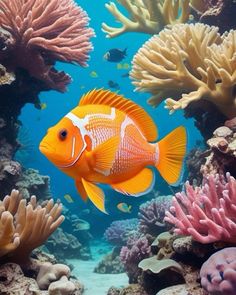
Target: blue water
[(38, 121)]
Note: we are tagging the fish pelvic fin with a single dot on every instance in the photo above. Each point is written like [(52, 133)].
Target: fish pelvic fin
[(95, 194), (172, 149), (81, 190), (141, 184)]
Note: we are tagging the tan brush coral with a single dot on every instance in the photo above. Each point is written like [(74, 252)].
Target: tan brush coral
[(25, 226), (146, 16), (188, 63)]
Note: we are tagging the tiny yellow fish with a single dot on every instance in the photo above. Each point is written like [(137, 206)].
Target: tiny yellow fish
[(43, 105), (124, 207), (122, 66), (68, 198), (111, 140), (93, 74)]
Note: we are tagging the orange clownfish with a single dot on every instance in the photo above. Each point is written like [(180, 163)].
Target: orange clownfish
[(107, 139)]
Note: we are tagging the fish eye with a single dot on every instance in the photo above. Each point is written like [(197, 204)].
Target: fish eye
[(62, 134)]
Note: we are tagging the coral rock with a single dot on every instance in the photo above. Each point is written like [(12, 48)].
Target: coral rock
[(218, 273), (221, 155), (49, 273), (13, 281), (62, 287)]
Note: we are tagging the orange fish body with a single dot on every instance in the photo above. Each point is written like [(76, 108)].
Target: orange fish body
[(106, 139)]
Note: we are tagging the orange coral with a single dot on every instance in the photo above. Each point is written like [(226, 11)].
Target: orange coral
[(25, 226)]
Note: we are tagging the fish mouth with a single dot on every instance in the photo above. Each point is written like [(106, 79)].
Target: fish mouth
[(46, 148)]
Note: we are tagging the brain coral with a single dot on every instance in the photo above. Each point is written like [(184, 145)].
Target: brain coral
[(188, 63), (218, 273), (42, 32)]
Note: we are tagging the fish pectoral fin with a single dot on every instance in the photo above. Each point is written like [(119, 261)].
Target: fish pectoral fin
[(140, 184), (95, 194), (80, 188), (103, 156)]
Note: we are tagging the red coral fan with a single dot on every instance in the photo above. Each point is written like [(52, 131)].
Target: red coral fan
[(42, 32), (207, 213)]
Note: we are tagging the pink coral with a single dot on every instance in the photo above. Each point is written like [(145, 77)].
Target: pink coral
[(207, 213), (218, 273), (42, 32)]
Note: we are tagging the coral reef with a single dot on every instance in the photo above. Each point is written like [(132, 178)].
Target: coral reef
[(110, 263), (207, 213), (217, 13), (132, 254), (32, 183), (14, 281), (132, 289), (119, 231), (151, 215), (41, 33), (188, 63), (64, 246), (25, 225), (148, 17), (218, 273), (34, 35), (221, 155), (194, 160)]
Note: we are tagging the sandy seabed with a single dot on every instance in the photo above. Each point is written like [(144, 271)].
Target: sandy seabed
[(95, 283)]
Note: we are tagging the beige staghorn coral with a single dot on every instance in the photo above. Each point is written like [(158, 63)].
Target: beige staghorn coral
[(25, 226), (146, 16), (188, 63)]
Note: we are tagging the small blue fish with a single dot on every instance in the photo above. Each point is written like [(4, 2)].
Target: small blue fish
[(115, 55), (124, 207)]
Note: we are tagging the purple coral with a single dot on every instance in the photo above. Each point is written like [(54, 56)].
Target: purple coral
[(151, 214), (132, 254), (218, 273), (119, 231), (207, 213)]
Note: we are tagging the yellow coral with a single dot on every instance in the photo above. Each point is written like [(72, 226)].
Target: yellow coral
[(25, 226), (189, 61), (146, 16)]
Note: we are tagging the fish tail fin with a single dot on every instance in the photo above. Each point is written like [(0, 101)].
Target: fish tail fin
[(171, 150), (125, 51)]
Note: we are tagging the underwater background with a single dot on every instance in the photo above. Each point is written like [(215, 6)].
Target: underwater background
[(60, 104), (71, 246)]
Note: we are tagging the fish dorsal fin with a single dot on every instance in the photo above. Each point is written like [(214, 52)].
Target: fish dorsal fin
[(134, 111)]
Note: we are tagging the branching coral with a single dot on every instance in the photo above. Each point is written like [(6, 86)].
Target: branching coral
[(206, 213), (43, 32), (146, 16), (191, 61), (25, 226)]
